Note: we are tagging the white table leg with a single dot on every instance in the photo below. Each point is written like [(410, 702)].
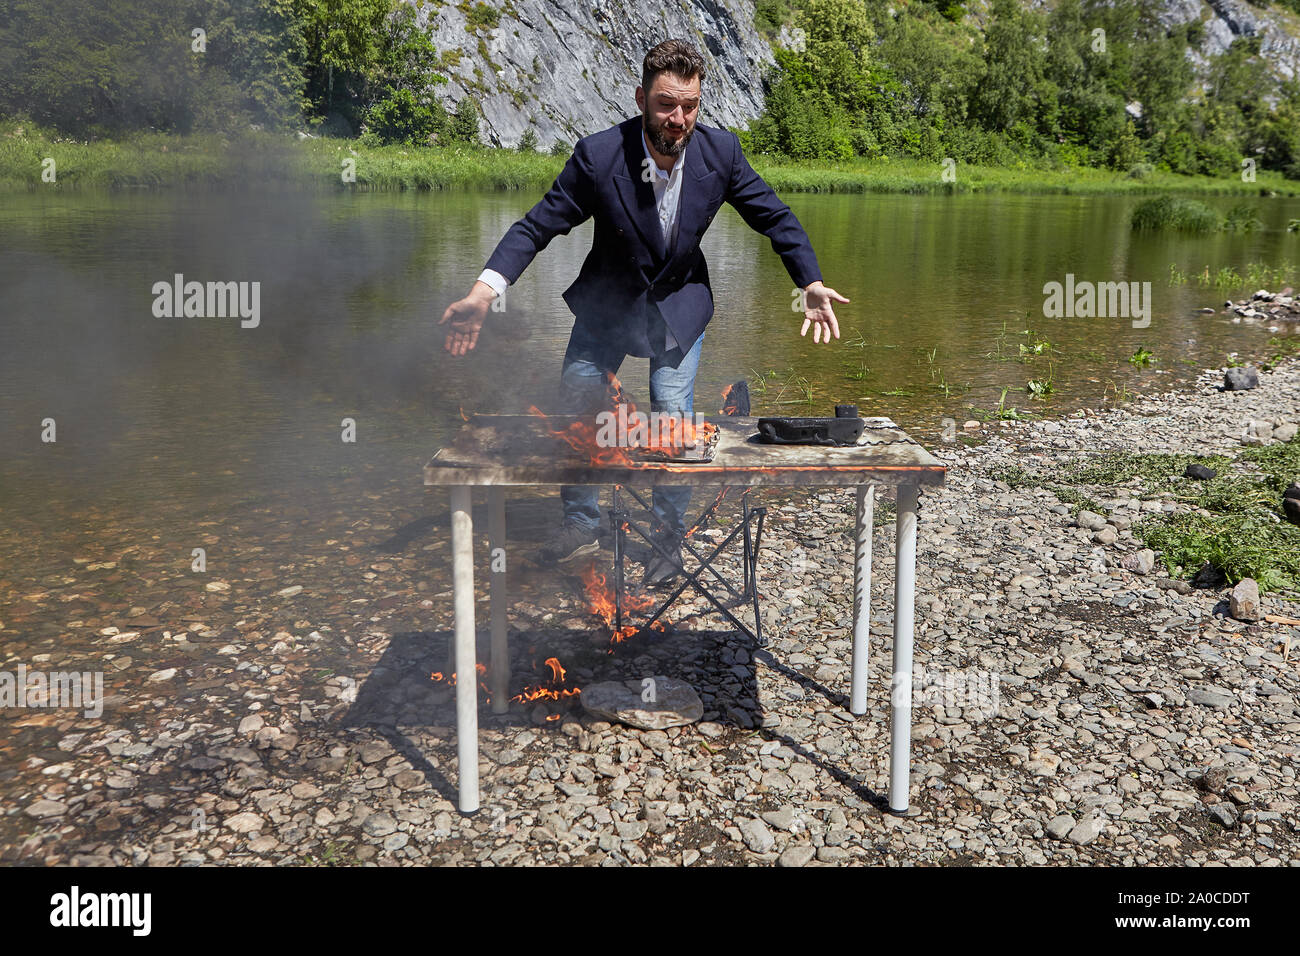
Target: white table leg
[(462, 558), (500, 680), (862, 597), (900, 692)]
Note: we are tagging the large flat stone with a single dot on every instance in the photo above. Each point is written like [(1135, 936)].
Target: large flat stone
[(675, 703)]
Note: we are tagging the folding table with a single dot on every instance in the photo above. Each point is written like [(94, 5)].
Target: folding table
[(501, 450)]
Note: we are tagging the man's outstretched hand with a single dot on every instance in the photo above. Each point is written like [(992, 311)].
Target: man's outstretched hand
[(466, 317), (818, 312)]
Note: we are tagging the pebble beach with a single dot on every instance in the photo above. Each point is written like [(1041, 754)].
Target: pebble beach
[(283, 711)]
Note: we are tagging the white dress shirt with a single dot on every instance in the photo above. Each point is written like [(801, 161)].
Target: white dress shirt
[(668, 195)]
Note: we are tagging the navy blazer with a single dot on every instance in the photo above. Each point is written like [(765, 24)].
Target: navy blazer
[(629, 271)]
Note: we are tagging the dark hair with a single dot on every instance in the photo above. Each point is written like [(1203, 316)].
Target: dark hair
[(672, 56)]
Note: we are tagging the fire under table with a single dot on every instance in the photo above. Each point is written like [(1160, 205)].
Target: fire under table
[(497, 451)]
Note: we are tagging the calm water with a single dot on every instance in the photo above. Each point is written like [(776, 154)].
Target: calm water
[(352, 286)]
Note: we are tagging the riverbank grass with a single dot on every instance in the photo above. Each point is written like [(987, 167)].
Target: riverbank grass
[(1235, 522), (159, 160)]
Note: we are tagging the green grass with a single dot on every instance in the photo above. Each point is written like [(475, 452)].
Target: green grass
[(162, 160), (1242, 218), (1001, 413), (1176, 213), (898, 175), (1257, 275), (156, 160), (333, 854), (1016, 477), (1241, 546), (1142, 358), (1042, 387), (1244, 533)]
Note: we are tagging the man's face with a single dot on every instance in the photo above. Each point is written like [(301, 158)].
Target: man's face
[(668, 112)]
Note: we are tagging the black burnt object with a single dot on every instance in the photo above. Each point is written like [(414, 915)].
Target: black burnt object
[(735, 399), (844, 429)]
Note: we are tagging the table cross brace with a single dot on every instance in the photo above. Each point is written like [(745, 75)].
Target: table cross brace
[(623, 522)]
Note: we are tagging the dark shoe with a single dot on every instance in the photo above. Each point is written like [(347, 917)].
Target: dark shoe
[(661, 570), (572, 542)]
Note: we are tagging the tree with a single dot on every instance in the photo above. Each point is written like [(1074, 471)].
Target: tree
[(837, 47), (464, 122), (1278, 134), (343, 39), (1013, 66), (105, 66), (402, 107), (401, 118)]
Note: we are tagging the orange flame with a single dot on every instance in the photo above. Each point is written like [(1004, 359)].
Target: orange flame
[(480, 669), (600, 598), (552, 692), (580, 435), (669, 435)]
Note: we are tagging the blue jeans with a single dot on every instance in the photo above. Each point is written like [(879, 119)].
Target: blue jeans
[(672, 390)]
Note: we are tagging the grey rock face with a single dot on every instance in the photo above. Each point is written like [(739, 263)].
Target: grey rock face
[(1229, 19), (797, 856), (570, 71), (1090, 520), (1224, 814)]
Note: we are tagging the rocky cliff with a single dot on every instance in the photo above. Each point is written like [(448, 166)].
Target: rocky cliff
[(568, 71), (1225, 20)]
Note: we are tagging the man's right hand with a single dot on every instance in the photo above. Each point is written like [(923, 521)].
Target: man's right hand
[(466, 317)]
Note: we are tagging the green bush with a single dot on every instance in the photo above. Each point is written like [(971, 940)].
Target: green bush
[(1181, 215), (1242, 218), (482, 16), (401, 118)]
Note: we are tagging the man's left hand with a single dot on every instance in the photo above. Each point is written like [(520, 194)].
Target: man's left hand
[(818, 312)]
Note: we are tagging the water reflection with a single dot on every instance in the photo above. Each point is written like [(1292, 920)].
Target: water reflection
[(352, 286)]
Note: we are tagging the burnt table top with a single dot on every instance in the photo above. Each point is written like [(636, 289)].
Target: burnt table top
[(522, 450)]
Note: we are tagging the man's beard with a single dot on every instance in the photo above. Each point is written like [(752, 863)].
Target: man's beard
[(663, 143)]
